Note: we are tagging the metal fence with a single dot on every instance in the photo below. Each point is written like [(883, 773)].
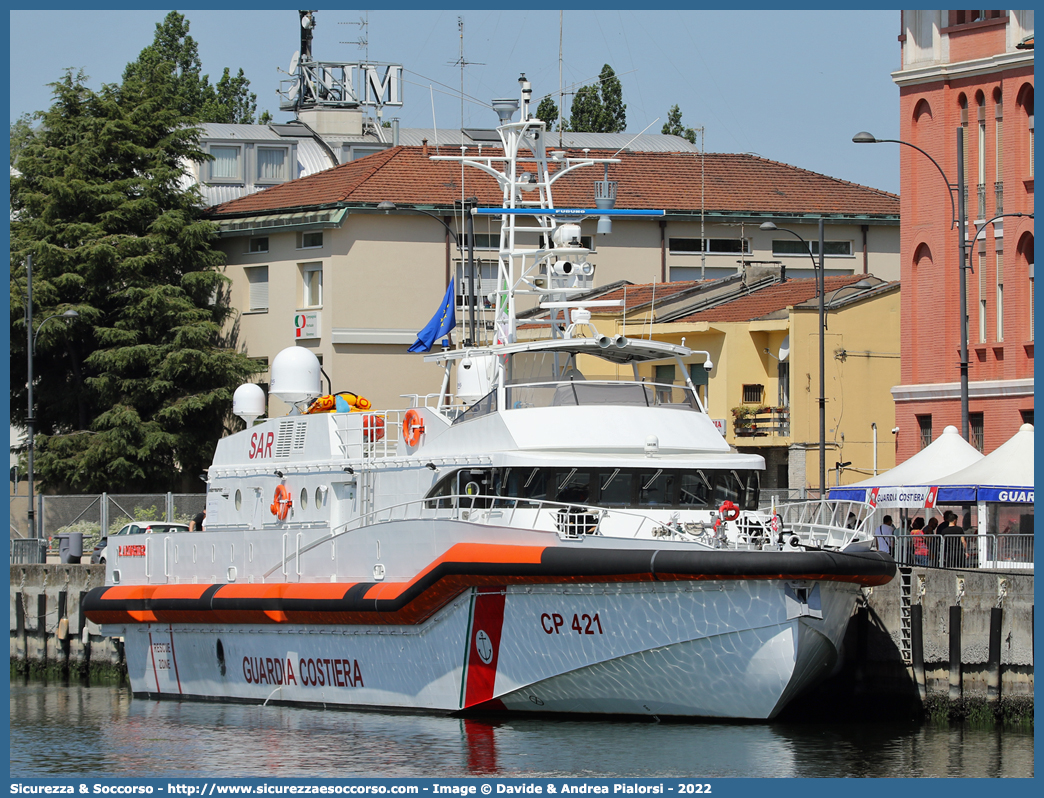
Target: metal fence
[(94, 516), (961, 552)]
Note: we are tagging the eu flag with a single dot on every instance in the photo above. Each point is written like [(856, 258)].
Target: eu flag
[(444, 320)]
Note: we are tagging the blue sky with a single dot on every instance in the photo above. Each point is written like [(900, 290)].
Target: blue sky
[(792, 86)]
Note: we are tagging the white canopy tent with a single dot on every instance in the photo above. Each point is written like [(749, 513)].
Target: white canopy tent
[(909, 483), (1004, 475)]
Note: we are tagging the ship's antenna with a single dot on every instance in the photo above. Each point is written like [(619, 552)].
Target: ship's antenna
[(462, 62), (636, 135), (561, 96)]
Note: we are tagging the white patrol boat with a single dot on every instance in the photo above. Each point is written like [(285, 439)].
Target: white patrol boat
[(545, 538)]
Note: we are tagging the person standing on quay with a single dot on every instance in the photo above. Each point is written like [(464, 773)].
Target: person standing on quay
[(920, 544), (885, 535)]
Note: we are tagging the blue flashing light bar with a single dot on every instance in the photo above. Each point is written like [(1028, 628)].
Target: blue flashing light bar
[(567, 212)]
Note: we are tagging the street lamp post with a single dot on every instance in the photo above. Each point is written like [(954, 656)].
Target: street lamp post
[(30, 420), (820, 291), (469, 203), (958, 220)]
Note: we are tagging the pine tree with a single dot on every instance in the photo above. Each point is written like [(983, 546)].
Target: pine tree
[(674, 127), (133, 394)]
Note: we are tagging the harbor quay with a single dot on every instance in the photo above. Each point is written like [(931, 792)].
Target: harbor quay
[(930, 638)]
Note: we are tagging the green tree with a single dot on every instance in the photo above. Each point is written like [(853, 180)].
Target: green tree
[(547, 112), (230, 102), (614, 111), (585, 114), (171, 65), (133, 394), (21, 134), (599, 109), (674, 127)]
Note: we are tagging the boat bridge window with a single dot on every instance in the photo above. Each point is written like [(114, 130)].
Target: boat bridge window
[(637, 488)]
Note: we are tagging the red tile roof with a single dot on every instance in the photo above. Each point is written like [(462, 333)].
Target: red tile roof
[(770, 299), (671, 181), (638, 295)]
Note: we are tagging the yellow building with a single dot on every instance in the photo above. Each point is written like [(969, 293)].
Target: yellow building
[(761, 334)]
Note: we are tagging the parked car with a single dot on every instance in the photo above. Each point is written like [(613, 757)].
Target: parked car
[(135, 528)]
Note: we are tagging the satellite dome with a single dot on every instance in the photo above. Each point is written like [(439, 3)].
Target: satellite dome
[(248, 402), (295, 375)]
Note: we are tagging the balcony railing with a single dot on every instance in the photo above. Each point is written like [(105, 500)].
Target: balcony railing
[(763, 422), (982, 200), (999, 189)]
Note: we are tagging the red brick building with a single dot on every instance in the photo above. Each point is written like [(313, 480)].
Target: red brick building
[(972, 71)]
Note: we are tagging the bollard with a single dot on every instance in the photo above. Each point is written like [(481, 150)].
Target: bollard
[(956, 686), (993, 666)]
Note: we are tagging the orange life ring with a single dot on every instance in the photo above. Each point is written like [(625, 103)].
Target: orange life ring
[(281, 502), (729, 511), (412, 427)]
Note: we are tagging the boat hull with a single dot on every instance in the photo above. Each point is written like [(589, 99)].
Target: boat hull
[(737, 648)]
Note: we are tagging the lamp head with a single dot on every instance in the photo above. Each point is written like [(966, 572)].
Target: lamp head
[(768, 226), (71, 314), (386, 206), (864, 138)]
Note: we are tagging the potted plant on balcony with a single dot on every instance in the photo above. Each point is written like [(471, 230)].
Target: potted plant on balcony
[(744, 419)]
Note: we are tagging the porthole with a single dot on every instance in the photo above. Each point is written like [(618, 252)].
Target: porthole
[(304, 498), (239, 499), (319, 494)]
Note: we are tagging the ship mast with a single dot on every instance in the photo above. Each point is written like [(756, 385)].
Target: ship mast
[(555, 267)]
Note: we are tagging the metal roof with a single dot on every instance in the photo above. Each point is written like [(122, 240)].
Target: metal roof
[(646, 142)]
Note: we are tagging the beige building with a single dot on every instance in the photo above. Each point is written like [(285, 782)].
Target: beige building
[(313, 262)]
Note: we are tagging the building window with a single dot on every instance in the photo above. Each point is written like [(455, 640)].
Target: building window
[(753, 394), (258, 244), (310, 239), (257, 279), (980, 252), (715, 246), (1027, 416), (664, 375), (998, 185), (968, 17), (975, 431), (701, 380), (1000, 295), (226, 166), (785, 247), (924, 427), (483, 241), (981, 184), (312, 285), (272, 164)]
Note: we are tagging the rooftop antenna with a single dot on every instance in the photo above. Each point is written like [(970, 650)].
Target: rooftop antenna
[(363, 41)]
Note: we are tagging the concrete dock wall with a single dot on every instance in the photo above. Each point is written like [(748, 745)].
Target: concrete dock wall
[(49, 634), (892, 665)]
